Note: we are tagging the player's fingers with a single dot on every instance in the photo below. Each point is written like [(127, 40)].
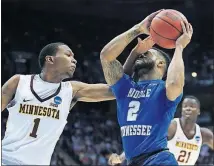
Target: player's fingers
[(139, 40), (155, 13), (151, 41), (183, 27), (110, 161), (147, 40), (190, 28), (187, 26)]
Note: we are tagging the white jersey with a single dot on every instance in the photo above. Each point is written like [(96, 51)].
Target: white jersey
[(37, 117), (186, 151)]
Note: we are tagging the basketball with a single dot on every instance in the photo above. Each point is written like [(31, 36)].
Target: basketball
[(166, 28)]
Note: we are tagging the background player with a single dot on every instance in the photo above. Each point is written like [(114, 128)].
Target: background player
[(185, 137), (146, 107), (39, 110)]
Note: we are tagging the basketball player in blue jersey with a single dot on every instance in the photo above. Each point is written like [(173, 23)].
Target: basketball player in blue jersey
[(185, 137), (146, 105)]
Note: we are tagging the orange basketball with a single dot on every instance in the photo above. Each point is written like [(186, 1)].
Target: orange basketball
[(166, 28)]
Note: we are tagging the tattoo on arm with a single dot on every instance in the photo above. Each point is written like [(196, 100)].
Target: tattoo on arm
[(113, 71), (130, 36)]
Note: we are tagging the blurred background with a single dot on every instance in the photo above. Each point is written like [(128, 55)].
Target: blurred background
[(92, 132)]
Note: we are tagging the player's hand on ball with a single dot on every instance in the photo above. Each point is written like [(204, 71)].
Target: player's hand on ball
[(143, 45), (185, 38), (144, 26), (114, 159)]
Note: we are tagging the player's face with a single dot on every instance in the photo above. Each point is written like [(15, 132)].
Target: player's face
[(151, 60), (190, 109), (64, 61), (145, 62)]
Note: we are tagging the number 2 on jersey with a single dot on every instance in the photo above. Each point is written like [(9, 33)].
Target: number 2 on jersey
[(134, 107), (35, 127), (183, 156)]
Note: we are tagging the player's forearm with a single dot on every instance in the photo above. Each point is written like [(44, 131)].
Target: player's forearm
[(175, 73), (127, 67), (115, 47)]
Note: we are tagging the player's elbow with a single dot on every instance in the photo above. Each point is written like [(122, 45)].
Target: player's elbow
[(174, 87), (175, 80), (104, 56), (175, 83)]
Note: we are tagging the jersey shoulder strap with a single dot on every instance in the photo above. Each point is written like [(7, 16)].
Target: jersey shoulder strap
[(24, 82)]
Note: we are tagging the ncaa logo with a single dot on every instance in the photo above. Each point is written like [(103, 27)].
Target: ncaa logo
[(57, 100), (197, 139)]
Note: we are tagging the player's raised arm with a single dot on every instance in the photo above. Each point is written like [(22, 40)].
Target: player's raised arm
[(175, 74), (91, 92), (8, 90), (207, 137), (141, 47), (113, 70)]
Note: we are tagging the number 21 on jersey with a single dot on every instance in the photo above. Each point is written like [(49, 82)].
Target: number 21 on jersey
[(184, 156), (134, 107)]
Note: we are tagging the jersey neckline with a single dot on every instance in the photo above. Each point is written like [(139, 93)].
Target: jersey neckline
[(37, 96), (179, 120), (149, 81)]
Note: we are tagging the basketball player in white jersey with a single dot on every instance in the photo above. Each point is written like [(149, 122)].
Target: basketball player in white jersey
[(41, 104), (185, 136)]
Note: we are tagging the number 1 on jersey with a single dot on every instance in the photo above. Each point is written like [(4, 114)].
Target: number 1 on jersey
[(35, 127), (134, 107)]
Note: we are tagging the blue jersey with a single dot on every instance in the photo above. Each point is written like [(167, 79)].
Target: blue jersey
[(144, 114)]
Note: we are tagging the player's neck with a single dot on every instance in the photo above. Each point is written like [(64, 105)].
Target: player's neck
[(49, 76), (149, 76), (187, 124)]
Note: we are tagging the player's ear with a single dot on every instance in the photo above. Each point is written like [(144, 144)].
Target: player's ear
[(161, 63), (49, 59)]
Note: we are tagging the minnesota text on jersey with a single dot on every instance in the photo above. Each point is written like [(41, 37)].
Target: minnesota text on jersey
[(39, 110)]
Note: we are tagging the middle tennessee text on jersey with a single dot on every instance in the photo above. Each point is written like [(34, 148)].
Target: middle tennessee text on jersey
[(144, 114)]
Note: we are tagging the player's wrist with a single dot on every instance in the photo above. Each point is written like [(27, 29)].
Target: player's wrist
[(138, 28), (179, 46)]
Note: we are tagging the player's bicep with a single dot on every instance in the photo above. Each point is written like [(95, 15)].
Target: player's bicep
[(207, 137), (113, 71), (173, 90), (171, 130), (8, 90)]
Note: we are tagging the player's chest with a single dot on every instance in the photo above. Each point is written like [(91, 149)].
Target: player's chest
[(140, 111), (52, 107), (44, 97), (186, 151), (141, 91), (194, 144)]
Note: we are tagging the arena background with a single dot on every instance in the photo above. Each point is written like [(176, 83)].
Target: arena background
[(92, 132)]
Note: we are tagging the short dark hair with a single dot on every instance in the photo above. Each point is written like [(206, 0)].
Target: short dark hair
[(166, 58), (194, 98), (51, 50)]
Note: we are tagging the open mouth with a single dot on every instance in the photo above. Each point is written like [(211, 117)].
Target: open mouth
[(188, 113)]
